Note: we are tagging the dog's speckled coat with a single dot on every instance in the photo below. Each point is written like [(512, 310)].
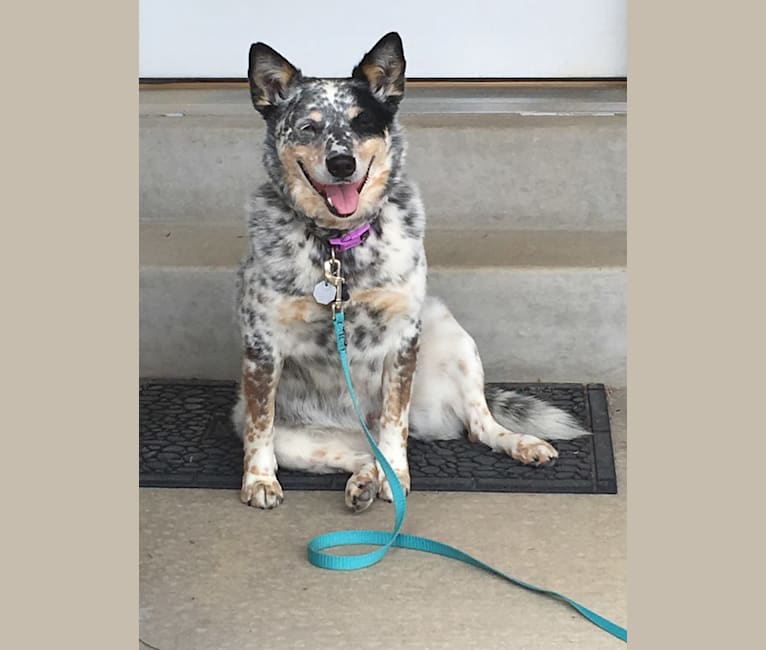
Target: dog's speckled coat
[(415, 369)]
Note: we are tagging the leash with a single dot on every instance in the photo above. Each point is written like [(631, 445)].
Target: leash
[(384, 539), (333, 291)]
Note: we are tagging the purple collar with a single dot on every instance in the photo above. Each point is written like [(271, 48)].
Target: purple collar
[(351, 238)]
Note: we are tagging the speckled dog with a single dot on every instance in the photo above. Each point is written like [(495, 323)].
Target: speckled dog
[(335, 158)]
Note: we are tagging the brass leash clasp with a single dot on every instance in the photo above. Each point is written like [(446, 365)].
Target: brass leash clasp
[(332, 273)]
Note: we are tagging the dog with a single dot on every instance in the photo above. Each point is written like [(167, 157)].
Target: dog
[(335, 156)]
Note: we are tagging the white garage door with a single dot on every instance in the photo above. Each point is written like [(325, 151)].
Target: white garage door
[(474, 38)]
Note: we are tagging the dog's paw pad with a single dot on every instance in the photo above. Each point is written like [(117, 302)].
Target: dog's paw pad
[(531, 450), (361, 490)]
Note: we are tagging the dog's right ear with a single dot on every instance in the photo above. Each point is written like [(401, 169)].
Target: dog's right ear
[(382, 68), (271, 77)]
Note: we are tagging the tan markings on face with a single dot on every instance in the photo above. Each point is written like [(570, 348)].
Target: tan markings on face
[(316, 116), (390, 302), (308, 199), (377, 177), (462, 367), (305, 196), (353, 112)]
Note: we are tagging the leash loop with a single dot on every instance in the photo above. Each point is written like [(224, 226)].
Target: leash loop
[(385, 540)]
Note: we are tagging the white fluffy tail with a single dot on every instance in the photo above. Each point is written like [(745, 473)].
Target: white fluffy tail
[(531, 416)]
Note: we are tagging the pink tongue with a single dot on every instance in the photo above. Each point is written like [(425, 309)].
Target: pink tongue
[(345, 198)]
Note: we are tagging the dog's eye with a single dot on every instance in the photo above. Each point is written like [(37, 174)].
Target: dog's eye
[(310, 127), (364, 119), (365, 124)]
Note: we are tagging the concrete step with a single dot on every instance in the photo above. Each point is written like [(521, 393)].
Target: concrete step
[(542, 305), (543, 159), (440, 98)]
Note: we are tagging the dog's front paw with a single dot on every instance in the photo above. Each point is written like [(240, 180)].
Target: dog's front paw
[(531, 450), (261, 492), (385, 489), (361, 489)]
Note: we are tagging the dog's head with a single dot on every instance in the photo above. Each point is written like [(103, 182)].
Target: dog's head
[(332, 146)]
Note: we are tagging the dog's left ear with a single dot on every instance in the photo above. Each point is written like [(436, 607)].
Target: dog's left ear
[(383, 69), (271, 77)]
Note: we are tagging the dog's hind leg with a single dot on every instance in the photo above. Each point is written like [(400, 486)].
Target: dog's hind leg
[(325, 451), (482, 427), (449, 396)]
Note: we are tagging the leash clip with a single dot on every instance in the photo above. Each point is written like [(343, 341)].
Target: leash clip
[(332, 270), (332, 273)]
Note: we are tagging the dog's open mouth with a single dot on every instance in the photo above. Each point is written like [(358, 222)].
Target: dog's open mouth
[(342, 199)]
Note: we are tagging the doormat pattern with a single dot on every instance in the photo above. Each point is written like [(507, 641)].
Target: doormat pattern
[(186, 440)]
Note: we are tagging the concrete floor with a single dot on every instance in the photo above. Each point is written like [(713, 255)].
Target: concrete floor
[(216, 575)]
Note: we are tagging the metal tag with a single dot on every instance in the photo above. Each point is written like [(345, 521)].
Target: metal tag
[(324, 292)]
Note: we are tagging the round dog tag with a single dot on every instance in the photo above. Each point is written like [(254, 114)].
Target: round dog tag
[(324, 292)]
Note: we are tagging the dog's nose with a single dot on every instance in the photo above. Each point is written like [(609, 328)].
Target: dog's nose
[(341, 165)]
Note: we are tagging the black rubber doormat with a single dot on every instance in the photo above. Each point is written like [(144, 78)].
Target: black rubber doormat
[(187, 440)]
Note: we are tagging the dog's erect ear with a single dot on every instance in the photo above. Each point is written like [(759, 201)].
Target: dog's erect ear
[(271, 77), (383, 69)]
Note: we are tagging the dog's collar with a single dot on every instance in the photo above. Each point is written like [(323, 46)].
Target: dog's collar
[(350, 239), (341, 240)]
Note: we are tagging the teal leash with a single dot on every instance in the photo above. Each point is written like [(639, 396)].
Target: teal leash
[(385, 540)]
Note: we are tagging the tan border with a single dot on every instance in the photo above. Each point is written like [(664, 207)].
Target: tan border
[(695, 283), (70, 519), (70, 326)]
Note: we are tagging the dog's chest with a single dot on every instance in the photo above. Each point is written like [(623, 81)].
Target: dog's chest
[(385, 278), (375, 317)]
